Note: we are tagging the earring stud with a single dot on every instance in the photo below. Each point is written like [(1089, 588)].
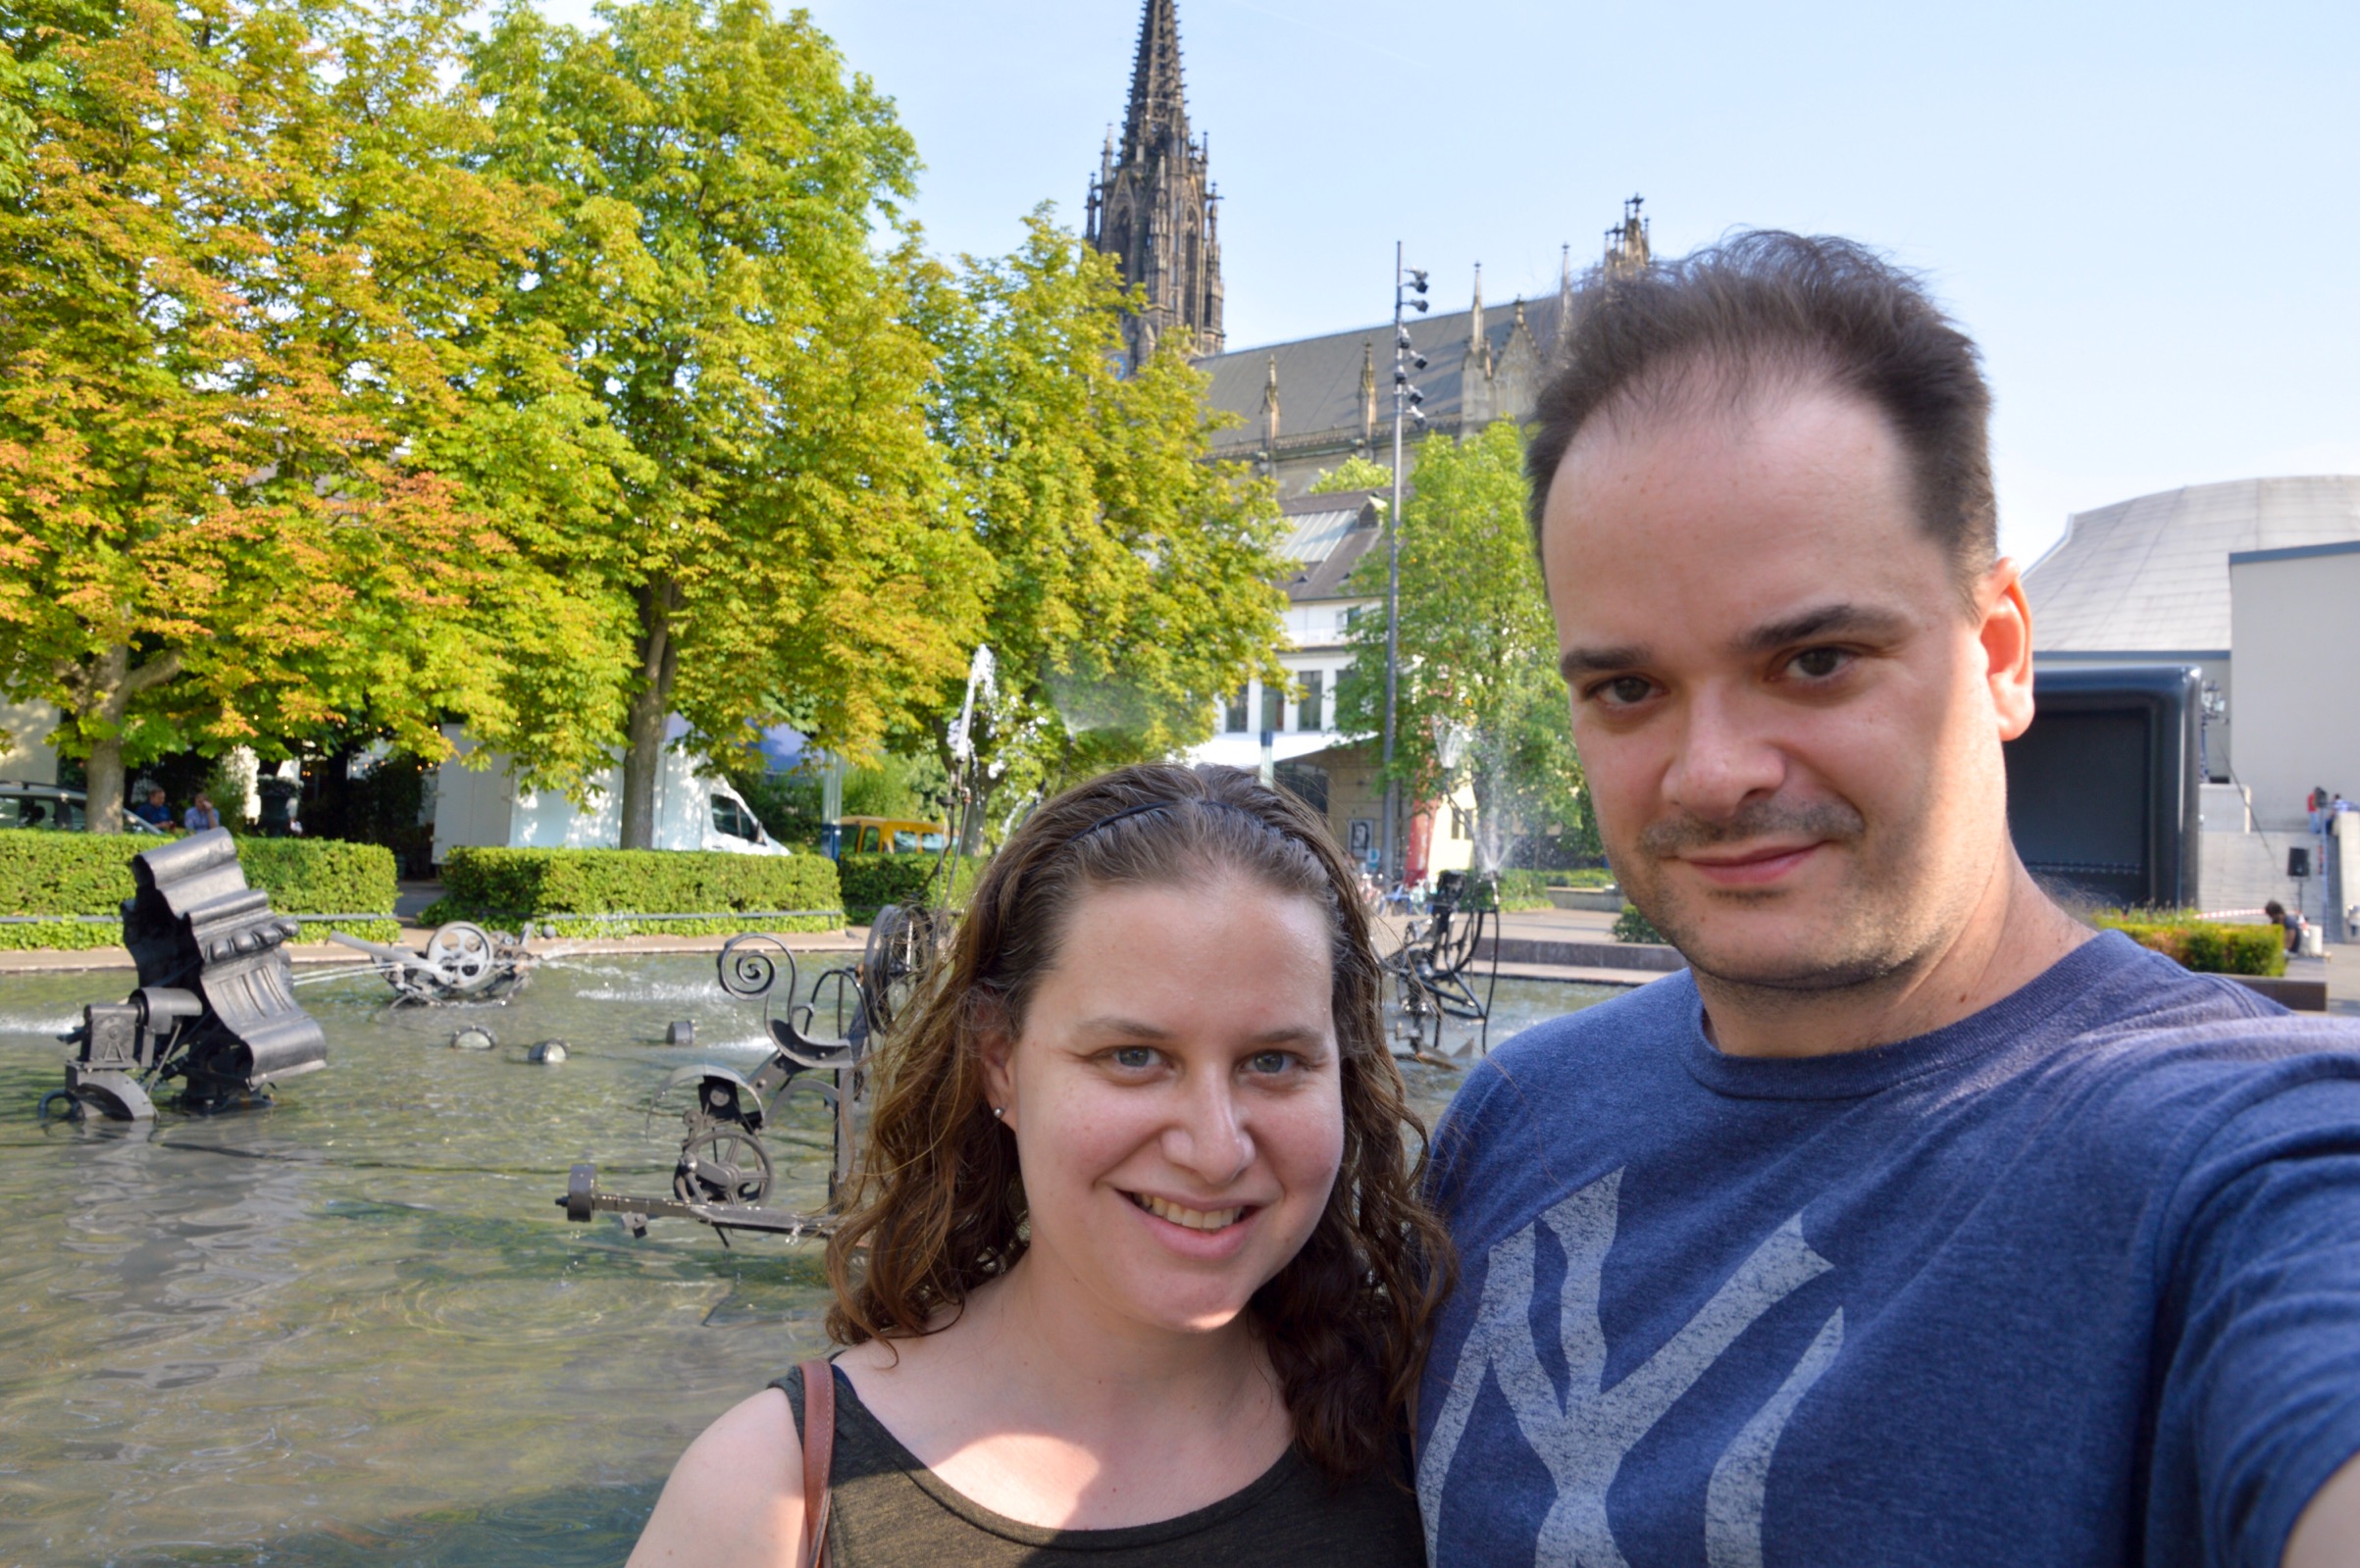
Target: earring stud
[(998, 1112)]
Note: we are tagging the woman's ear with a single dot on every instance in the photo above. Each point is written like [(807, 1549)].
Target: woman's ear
[(995, 1051)]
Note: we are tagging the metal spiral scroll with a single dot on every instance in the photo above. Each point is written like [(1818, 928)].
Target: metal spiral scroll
[(723, 1176)]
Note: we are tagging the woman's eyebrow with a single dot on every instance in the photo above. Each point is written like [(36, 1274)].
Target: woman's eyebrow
[(1132, 1027)]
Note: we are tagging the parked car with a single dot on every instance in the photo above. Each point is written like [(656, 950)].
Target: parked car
[(873, 835), (56, 810)]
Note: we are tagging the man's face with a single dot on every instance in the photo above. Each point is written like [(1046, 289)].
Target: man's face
[(1789, 723)]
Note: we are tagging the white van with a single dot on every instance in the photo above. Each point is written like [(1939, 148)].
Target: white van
[(695, 809)]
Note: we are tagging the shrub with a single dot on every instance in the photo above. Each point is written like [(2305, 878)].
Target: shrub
[(2207, 947), (1525, 890), (509, 889), (871, 881), (1632, 927), (89, 874)]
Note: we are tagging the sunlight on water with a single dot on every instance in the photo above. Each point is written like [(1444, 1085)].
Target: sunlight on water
[(355, 1328)]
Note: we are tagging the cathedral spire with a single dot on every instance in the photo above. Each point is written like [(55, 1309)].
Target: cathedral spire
[(1159, 114), (1478, 340), (1151, 206), (1565, 297)]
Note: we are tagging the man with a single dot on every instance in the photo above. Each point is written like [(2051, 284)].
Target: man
[(201, 815), (154, 809), (1916, 1223)]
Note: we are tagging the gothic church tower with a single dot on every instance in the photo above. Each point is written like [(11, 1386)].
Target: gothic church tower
[(1151, 207)]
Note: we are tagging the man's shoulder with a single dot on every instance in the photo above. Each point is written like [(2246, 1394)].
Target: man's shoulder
[(1546, 1072), (1641, 1020)]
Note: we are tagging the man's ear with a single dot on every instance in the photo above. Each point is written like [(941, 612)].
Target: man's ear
[(2006, 635)]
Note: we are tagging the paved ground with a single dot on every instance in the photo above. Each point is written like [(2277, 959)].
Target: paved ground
[(1587, 928)]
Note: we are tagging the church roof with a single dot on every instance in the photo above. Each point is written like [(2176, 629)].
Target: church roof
[(1319, 377), (1327, 535), (2151, 574)]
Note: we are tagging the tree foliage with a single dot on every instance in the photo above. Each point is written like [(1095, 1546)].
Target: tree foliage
[(222, 262), (1355, 473), (1477, 648), (770, 524), (1134, 581)]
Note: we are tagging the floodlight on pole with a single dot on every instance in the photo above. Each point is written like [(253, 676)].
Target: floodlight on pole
[(1409, 290)]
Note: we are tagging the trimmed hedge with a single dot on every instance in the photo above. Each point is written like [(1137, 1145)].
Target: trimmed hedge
[(871, 881), (509, 889), (2205, 946), (1525, 890), (1632, 927), (90, 874)]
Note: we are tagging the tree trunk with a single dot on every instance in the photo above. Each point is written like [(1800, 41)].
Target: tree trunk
[(107, 690), (103, 790), (650, 706)]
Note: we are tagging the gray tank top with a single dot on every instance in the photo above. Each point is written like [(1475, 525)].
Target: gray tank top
[(889, 1511)]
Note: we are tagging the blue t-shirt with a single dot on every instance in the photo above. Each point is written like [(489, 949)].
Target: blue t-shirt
[(2076, 1280)]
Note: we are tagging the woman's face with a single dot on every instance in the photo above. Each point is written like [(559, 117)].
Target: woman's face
[(1175, 1098)]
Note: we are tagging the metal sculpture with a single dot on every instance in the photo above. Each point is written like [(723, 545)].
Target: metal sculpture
[(215, 1008), (723, 1175), (462, 962), (1429, 969)]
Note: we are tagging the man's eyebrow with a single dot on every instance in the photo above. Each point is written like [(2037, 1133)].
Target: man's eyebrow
[(1574, 663), (1828, 621)]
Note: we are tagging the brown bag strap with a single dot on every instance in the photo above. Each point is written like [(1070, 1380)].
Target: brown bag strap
[(819, 1458)]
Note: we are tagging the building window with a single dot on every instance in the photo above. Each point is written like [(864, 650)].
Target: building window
[(1274, 706), (1458, 827), (1234, 720), (1308, 714)]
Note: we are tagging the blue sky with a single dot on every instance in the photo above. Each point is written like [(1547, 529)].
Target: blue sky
[(2149, 215)]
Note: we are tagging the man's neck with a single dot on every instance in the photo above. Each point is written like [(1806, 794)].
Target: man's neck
[(2015, 934)]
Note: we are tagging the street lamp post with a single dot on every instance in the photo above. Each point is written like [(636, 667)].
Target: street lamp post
[(1408, 293)]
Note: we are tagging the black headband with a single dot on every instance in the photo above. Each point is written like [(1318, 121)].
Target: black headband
[(1146, 806)]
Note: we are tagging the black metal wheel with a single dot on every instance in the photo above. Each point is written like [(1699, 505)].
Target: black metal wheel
[(902, 945), (722, 1165)]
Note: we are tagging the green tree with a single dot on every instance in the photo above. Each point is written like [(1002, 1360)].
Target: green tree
[(1477, 648), (213, 524), (1355, 473), (1135, 579), (772, 532)]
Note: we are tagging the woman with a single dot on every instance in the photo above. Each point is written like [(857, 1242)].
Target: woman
[(1136, 1269)]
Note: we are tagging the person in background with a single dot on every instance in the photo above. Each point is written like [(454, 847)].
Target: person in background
[(154, 809), (2291, 925), (201, 815)]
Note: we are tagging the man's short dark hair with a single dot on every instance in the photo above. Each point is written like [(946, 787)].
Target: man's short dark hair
[(1817, 309)]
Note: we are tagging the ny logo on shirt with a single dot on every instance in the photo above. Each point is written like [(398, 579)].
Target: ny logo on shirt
[(1583, 1436)]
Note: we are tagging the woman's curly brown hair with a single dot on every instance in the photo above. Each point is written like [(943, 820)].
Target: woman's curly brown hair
[(938, 1206)]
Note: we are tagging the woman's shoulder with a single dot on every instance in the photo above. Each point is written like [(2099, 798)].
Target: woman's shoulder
[(736, 1497), (1369, 1521)]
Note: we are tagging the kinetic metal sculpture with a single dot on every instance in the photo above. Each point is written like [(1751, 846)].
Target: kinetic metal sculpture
[(724, 1174), (213, 1008), (1429, 966), (462, 963)]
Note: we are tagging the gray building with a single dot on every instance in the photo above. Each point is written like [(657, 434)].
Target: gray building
[(2169, 578)]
